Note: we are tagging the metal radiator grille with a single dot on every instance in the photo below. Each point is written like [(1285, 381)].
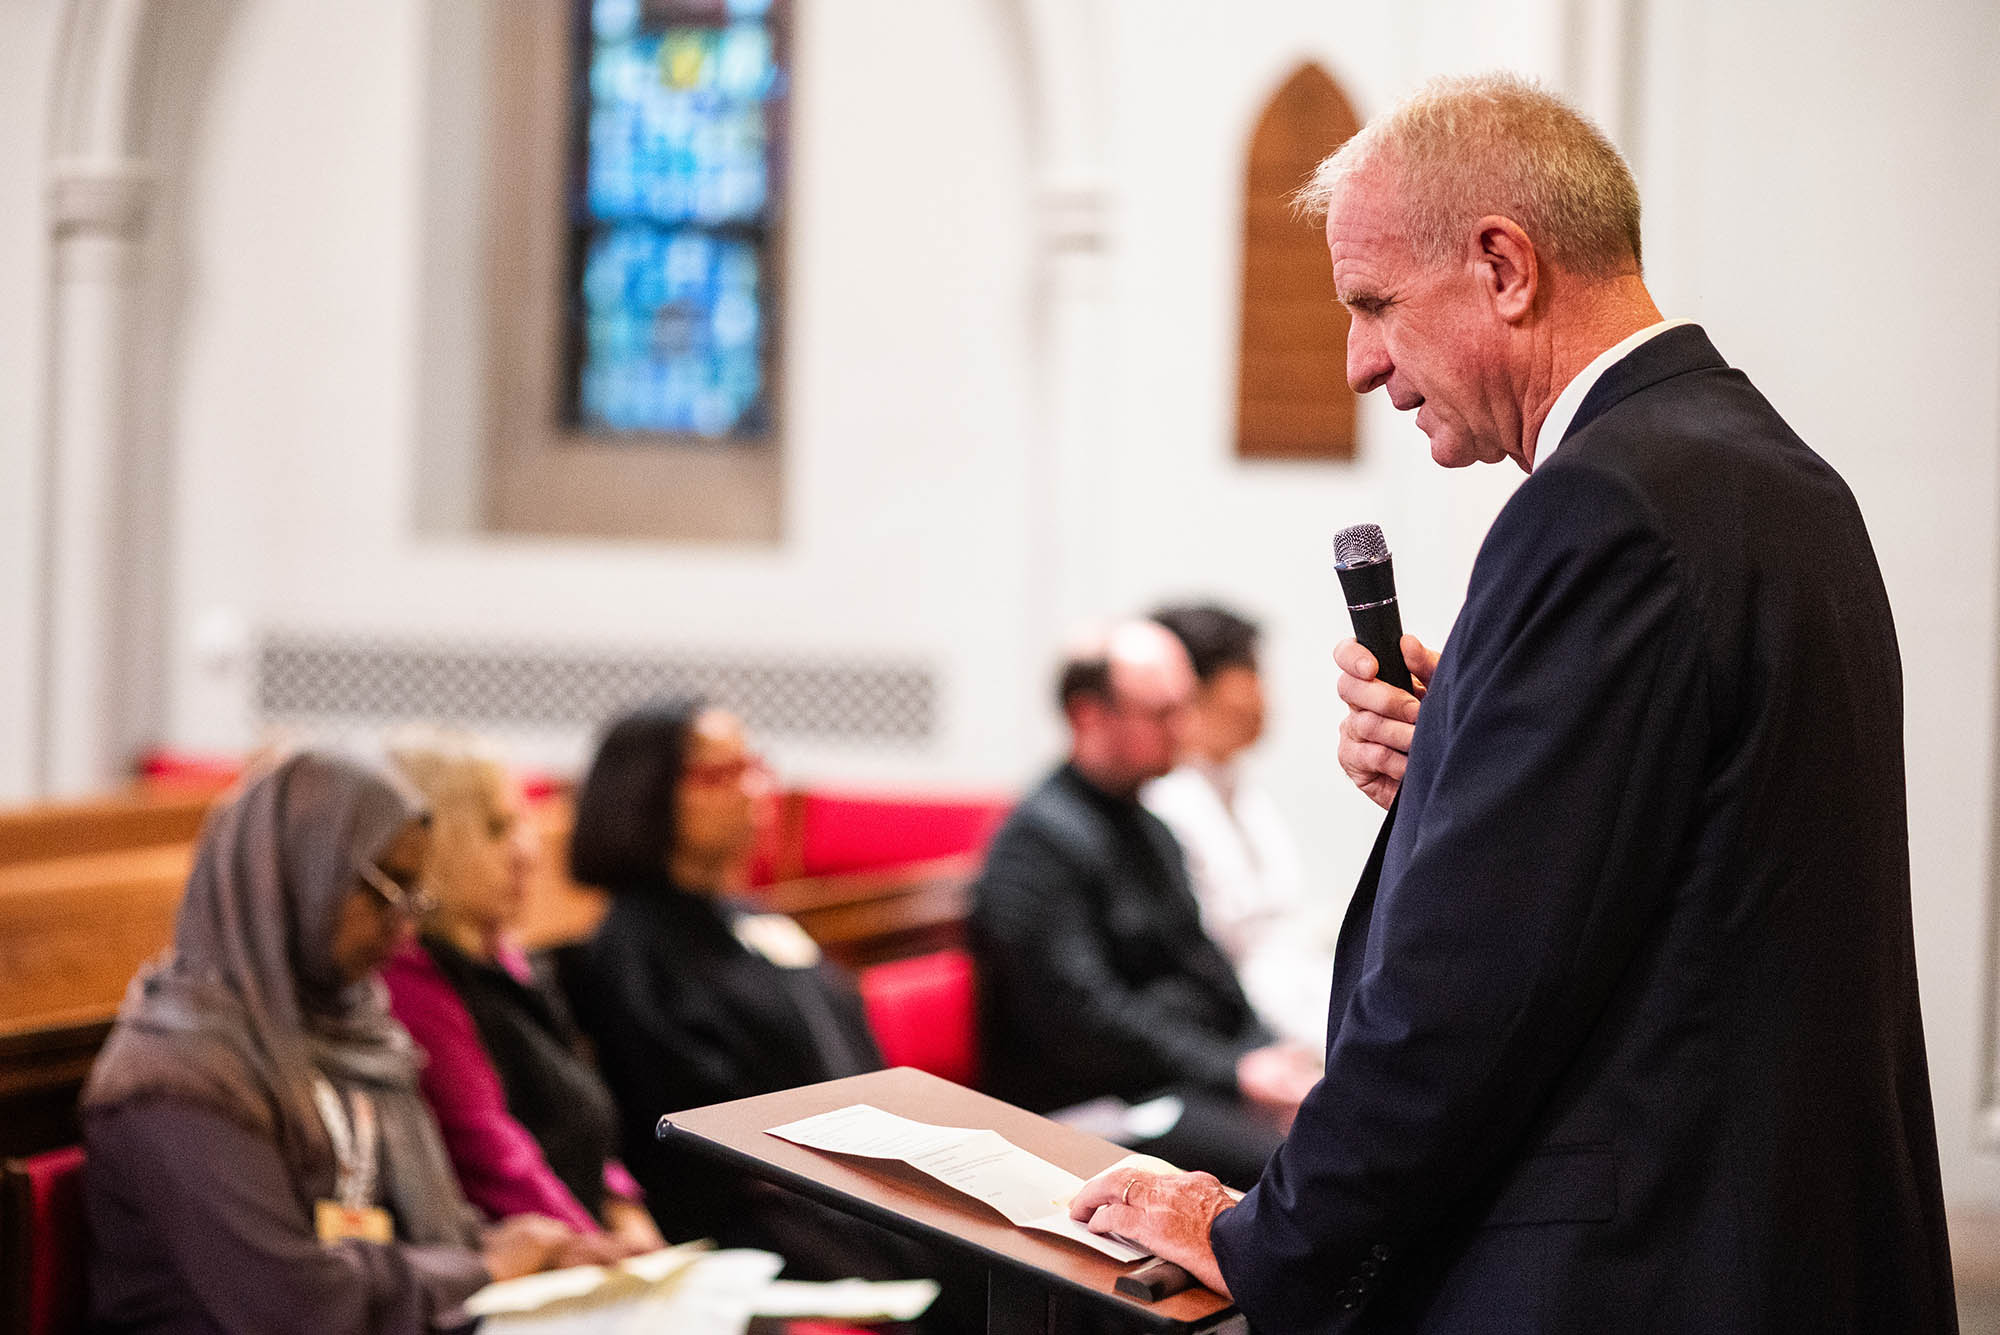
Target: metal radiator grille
[(342, 677)]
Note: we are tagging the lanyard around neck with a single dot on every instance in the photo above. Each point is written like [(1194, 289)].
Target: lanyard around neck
[(356, 1143)]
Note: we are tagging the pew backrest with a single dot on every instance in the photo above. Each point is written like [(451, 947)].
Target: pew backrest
[(141, 819), (74, 930), (866, 917), (924, 1013)]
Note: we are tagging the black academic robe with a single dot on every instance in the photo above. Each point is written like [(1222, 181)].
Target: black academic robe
[(1625, 1031), (682, 1014)]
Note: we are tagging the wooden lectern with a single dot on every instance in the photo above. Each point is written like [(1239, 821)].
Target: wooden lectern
[(1037, 1283)]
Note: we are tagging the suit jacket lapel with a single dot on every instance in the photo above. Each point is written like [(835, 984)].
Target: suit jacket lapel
[(1676, 352), (1352, 947)]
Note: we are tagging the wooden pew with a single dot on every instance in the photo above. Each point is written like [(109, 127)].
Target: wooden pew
[(73, 931), (139, 819), (88, 894), (79, 916), (863, 918)]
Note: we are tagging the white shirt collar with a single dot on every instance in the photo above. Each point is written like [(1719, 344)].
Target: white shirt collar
[(1556, 425), (1220, 776)]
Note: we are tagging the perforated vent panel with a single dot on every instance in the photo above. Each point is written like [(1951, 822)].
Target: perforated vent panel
[(338, 677)]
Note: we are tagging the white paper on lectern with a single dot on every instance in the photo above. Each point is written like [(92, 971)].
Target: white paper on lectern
[(1030, 1191)]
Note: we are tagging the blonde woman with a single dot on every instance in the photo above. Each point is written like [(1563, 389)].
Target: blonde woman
[(529, 1125)]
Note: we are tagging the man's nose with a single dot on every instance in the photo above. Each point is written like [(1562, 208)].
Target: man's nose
[(1368, 363)]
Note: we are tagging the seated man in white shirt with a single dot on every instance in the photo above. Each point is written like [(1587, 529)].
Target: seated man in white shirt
[(1241, 857)]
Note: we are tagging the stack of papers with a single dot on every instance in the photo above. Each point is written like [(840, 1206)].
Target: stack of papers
[(687, 1288), (1031, 1192)]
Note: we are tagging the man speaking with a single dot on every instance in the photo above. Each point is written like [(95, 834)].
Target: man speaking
[(1624, 1032)]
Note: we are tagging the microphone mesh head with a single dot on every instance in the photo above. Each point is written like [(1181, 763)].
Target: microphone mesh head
[(1360, 545)]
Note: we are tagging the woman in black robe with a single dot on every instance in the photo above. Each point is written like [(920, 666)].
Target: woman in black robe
[(689, 995)]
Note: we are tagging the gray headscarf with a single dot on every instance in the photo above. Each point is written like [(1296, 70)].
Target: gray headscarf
[(247, 1008)]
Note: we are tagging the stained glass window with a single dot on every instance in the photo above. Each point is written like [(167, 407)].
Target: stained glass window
[(673, 217)]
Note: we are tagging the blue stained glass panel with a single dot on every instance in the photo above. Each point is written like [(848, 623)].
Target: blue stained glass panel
[(675, 217)]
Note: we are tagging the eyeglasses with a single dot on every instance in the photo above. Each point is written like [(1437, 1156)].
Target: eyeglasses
[(724, 773), (409, 900)]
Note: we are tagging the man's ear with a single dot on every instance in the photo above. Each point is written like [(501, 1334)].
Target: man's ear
[(1509, 270)]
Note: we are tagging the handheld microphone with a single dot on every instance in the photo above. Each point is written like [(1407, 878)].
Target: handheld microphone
[(1368, 578)]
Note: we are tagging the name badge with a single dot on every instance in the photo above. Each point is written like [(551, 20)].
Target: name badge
[(356, 1142), (335, 1222), (778, 939)]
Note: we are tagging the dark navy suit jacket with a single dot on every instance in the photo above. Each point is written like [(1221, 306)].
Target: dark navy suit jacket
[(1624, 1033)]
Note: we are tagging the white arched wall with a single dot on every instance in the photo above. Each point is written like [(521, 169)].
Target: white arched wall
[(910, 394), (96, 643)]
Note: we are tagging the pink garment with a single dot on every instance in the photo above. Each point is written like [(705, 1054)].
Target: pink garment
[(500, 1166)]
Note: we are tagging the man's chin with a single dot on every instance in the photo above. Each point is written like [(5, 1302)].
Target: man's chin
[(1449, 453), (1453, 451)]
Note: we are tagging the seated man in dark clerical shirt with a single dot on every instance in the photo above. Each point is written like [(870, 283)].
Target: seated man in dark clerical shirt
[(1096, 978)]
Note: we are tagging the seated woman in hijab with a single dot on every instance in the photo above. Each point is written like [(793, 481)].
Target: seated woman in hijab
[(528, 1124), (689, 996), (259, 1157)]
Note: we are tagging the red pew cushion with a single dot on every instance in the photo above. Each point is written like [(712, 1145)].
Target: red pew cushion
[(45, 1194), (841, 832), (923, 1013)]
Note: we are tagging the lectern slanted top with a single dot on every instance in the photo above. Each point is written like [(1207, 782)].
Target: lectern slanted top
[(900, 1197)]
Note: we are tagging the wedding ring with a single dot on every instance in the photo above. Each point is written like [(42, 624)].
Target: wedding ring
[(1125, 1196)]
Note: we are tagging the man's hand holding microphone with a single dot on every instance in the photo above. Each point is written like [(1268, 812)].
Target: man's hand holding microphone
[(1381, 696), (1381, 719)]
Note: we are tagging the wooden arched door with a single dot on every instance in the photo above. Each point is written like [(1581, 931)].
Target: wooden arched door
[(1292, 399)]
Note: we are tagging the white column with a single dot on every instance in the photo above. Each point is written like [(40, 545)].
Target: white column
[(1075, 369), (1073, 216), (97, 210)]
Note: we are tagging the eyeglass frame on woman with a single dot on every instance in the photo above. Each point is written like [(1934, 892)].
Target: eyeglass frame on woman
[(410, 901)]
